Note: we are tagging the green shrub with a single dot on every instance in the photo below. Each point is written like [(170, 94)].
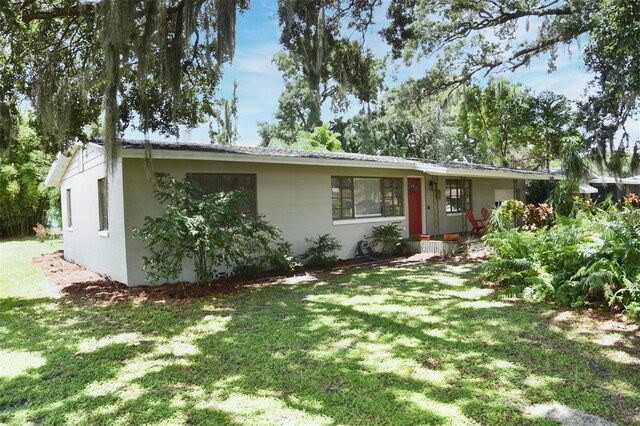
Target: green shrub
[(633, 311), (278, 259), (506, 215), (322, 251), (590, 259), (281, 259), (209, 229), (388, 237)]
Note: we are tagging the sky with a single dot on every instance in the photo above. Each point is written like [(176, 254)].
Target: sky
[(260, 83)]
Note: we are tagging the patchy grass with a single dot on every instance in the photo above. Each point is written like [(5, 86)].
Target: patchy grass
[(18, 276), (412, 345)]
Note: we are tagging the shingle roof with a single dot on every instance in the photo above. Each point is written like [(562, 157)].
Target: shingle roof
[(253, 150)]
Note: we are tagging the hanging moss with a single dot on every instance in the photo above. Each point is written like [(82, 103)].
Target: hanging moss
[(138, 63)]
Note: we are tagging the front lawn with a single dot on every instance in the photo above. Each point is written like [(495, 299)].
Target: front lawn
[(18, 276), (424, 344)]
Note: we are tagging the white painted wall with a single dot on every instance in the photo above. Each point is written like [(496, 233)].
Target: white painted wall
[(483, 192), (296, 199), (84, 244)]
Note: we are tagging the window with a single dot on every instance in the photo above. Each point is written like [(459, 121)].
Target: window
[(360, 197), (502, 195), (458, 195), (69, 222), (103, 204), (211, 183)]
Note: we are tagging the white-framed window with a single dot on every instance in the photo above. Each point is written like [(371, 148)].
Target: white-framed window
[(103, 204), (365, 197), (69, 217), (211, 183), (457, 195)]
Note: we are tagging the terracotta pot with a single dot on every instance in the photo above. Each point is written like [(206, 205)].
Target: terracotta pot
[(451, 237)]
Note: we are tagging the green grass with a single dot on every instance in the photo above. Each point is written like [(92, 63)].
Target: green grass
[(413, 345), (18, 276)]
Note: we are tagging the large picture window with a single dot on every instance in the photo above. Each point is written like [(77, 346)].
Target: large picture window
[(103, 204), (211, 183), (362, 197), (458, 195)]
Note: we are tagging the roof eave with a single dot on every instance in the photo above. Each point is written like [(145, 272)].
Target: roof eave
[(495, 174), (161, 154), (59, 167)]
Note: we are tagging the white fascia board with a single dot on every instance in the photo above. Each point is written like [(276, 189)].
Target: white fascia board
[(494, 174), (159, 154), (603, 180), (59, 167), (631, 181), (52, 180), (612, 180)]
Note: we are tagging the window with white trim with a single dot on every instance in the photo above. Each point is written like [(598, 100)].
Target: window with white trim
[(364, 197), (103, 204), (211, 183), (457, 195), (69, 221)]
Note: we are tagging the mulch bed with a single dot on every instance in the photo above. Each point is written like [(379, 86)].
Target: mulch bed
[(76, 282)]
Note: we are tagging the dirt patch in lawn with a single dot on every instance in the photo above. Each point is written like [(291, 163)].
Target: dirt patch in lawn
[(76, 282)]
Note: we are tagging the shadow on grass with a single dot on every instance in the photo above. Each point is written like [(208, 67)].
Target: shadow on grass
[(418, 345)]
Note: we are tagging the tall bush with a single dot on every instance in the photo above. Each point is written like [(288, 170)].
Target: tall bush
[(211, 229), (592, 258)]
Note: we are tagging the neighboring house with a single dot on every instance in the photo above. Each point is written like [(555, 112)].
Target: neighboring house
[(616, 187), (302, 193)]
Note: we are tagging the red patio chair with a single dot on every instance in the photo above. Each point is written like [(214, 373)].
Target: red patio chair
[(485, 214), (477, 225)]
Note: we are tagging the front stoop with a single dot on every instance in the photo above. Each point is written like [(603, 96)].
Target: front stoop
[(445, 248)]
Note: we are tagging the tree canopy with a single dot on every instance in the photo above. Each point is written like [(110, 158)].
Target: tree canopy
[(152, 64), (322, 62), (473, 39)]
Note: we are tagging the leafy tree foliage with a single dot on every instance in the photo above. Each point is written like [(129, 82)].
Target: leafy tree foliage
[(156, 63), (208, 229), (474, 38), (24, 199), (321, 139), (553, 122), (401, 127), (311, 34), (320, 64), (509, 125), (226, 119), (614, 57), (497, 121)]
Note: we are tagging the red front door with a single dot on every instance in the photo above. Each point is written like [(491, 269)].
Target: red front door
[(415, 206)]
